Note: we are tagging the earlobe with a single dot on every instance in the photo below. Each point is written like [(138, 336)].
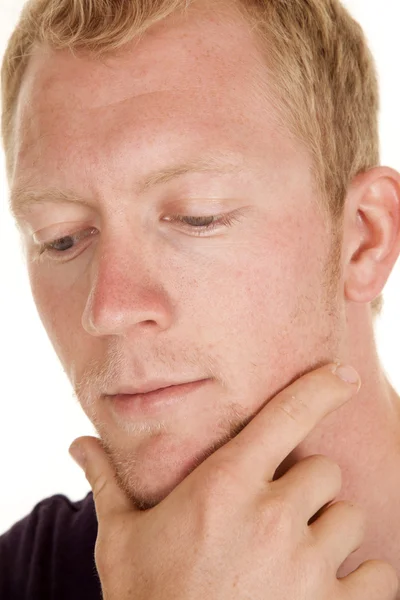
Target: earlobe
[(375, 234)]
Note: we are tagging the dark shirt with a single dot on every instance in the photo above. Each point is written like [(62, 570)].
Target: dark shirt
[(49, 555)]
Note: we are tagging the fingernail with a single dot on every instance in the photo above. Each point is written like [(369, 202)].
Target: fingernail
[(347, 373), (78, 454)]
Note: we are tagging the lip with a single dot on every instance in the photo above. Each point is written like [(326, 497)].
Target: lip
[(145, 404), (148, 386)]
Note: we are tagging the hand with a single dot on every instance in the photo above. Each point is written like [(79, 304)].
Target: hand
[(228, 531)]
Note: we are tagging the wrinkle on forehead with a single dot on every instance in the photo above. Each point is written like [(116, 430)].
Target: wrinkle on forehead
[(208, 57), (207, 85), (198, 54)]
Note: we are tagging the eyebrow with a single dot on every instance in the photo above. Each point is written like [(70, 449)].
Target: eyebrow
[(22, 198)]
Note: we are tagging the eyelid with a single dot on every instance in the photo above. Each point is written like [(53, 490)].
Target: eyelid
[(59, 230), (219, 221), (81, 237)]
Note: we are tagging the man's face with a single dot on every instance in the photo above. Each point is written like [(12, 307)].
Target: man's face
[(134, 296)]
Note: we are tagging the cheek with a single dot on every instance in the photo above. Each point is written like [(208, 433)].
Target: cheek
[(273, 282), (59, 312), (268, 314)]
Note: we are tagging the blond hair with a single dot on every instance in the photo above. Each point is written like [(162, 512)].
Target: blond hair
[(321, 71)]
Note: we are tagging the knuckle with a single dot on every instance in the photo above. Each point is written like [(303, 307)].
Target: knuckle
[(352, 515), (220, 476), (326, 464), (99, 483), (315, 567), (391, 576), (292, 406), (278, 515), (103, 558), (323, 468), (388, 575), (216, 499), (113, 542), (356, 510)]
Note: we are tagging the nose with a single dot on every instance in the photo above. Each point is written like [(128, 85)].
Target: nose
[(125, 291)]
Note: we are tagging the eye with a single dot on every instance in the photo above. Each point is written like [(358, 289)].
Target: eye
[(198, 225), (63, 245), (67, 245)]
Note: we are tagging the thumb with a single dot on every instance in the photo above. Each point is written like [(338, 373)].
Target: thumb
[(108, 497)]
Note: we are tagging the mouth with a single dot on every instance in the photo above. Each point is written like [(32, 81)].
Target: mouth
[(152, 403)]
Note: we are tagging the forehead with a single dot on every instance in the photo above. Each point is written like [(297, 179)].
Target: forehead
[(178, 52), (191, 79), (195, 55)]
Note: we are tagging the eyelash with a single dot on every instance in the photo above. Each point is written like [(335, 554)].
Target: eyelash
[(217, 220)]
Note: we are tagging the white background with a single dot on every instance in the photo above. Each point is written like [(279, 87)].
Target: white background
[(39, 417)]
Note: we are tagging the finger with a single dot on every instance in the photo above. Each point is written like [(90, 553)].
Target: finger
[(339, 531), (373, 580), (108, 497), (286, 421), (309, 485)]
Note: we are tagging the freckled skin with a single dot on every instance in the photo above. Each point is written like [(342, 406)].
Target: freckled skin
[(248, 306), (252, 306)]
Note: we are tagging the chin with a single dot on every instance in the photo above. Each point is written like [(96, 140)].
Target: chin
[(151, 468)]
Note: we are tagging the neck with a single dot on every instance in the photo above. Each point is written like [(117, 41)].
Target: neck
[(363, 438)]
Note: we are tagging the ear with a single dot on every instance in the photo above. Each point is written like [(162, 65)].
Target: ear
[(371, 233)]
